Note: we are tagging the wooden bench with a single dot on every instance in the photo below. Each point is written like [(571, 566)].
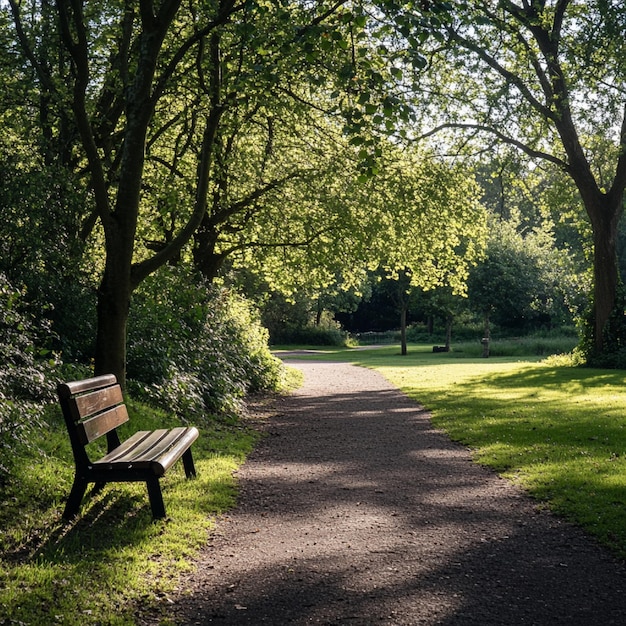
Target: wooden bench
[(95, 407)]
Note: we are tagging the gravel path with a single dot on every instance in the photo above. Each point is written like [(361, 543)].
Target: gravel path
[(355, 510)]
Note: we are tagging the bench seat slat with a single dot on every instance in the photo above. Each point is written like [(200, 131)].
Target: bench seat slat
[(134, 446), (151, 450), (184, 441)]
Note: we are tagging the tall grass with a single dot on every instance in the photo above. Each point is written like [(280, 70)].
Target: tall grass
[(532, 345)]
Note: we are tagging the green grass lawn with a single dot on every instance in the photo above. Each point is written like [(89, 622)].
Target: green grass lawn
[(558, 431)]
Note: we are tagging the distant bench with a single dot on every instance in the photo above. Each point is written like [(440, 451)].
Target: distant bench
[(95, 407)]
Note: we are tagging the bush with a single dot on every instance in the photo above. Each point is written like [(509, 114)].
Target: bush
[(41, 212), (309, 336), (74, 320), (195, 348), (25, 377), (570, 359), (383, 338)]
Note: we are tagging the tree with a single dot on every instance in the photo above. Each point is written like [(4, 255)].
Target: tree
[(170, 113), (549, 79), (434, 225), (427, 228), (402, 299), (442, 302), (524, 282), (416, 212), (117, 69), (127, 78)]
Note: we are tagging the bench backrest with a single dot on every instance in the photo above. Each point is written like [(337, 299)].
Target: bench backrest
[(92, 408)]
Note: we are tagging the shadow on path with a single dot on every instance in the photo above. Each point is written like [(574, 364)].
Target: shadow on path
[(355, 510)]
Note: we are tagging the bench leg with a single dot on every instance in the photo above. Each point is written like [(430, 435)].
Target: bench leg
[(156, 498), (97, 488), (75, 498), (190, 470)]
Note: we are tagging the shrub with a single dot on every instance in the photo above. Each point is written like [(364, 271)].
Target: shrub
[(74, 320), (41, 212), (196, 348), (613, 355), (570, 359), (309, 336), (384, 338), (26, 383)]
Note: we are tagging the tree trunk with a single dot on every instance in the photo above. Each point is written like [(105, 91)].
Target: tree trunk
[(206, 260), (448, 332), (117, 283), (115, 289), (605, 269), (113, 308), (120, 225), (403, 347)]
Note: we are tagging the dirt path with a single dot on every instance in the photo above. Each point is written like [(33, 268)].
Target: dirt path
[(354, 510)]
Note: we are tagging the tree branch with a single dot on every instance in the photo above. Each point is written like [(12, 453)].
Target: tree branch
[(619, 181), (321, 17), (227, 9), (509, 76), (42, 73), (277, 244), (70, 13), (539, 154), (240, 205)]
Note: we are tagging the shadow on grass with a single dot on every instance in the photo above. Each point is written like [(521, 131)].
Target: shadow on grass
[(111, 520), (96, 568)]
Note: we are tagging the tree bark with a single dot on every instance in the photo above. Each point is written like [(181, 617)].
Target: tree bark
[(605, 221), (205, 258), (403, 346), (112, 316)]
